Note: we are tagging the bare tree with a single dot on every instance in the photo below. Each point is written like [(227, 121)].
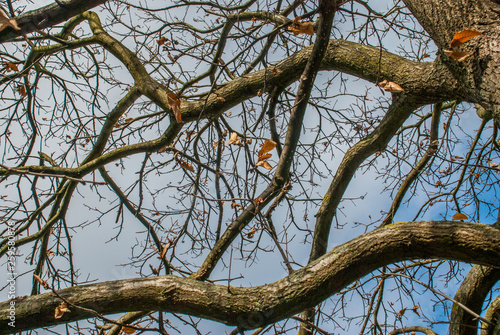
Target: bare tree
[(212, 131)]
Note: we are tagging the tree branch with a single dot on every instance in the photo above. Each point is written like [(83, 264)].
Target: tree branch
[(48, 16), (257, 306)]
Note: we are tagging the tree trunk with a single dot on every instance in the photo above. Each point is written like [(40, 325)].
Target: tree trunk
[(480, 73)]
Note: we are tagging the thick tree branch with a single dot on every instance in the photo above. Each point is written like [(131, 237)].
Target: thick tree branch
[(412, 330), (48, 16), (492, 315), (253, 307), (426, 81), (477, 284), (397, 113)]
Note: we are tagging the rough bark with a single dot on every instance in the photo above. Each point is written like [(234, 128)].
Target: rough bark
[(257, 306), (472, 293), (492, 315), (473, 290), (480, 74), (48, 16)]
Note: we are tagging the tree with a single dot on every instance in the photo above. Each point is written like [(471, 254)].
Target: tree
[(219, 125)]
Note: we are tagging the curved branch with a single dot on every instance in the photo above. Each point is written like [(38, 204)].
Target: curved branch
[(492, 315), (256, 306), (427, 81), (412, 330), (48, 16), (472, 292)]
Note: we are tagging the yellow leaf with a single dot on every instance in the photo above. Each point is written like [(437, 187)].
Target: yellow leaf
[(234, 139), (266, 147), (463, 36), (175, 103), (60, 310), (6, 21), (264, 164), (460, 216), (459, 56)]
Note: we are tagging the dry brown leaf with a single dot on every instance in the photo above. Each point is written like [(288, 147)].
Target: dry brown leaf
[(460, 216), (298, 27), (263, 154), (21, 90), (186, 166), (463, 36), (264, 164), (60, 310), (258, 200), (459, 56), (11, 67), (266, 147), (235, 205), (275, 70), (401, 313), (42, 282), (164, 251), (189, 133), (7, 21), (251, 233), (175, 103), (266, 156), (234, 139), (127, 330), (161, 41), (390, 86)]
